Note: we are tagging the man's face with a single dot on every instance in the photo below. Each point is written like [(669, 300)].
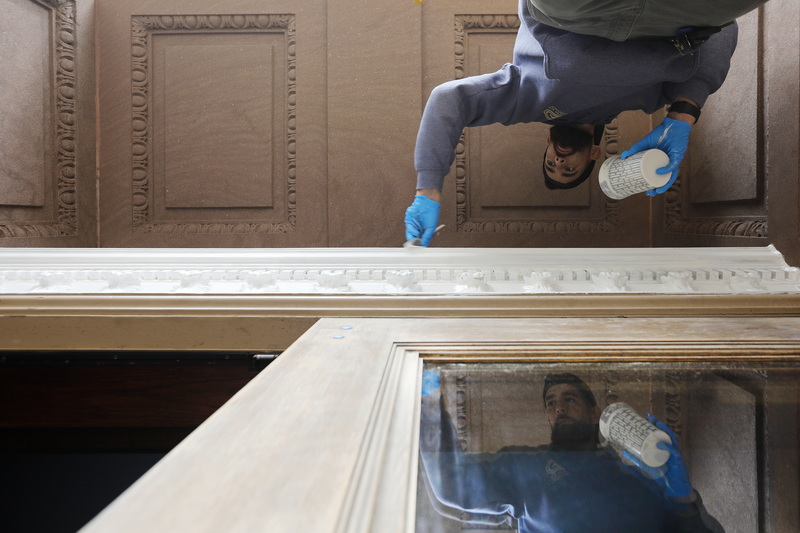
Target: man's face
[(565, 405), (572, 419), (564, 165)]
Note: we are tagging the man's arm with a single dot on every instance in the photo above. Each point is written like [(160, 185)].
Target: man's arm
[(452, 106), (458, 482)]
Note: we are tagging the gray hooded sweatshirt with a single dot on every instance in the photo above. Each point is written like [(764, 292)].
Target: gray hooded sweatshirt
[(559, 77)]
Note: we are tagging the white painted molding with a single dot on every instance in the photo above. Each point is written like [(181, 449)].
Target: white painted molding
[(734, 270)]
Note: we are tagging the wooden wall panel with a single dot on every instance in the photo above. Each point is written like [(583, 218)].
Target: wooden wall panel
[(723, 160), (225, 146), (47, 134), (25, 151), (719, 197), (374, 104), (782, 118), (217, 144), (311, 143)]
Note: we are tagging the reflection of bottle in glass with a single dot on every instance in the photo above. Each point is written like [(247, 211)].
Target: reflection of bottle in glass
[(623, 426)]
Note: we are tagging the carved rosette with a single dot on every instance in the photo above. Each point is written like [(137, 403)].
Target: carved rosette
[(142, 29), (464, 25), (63, 61)]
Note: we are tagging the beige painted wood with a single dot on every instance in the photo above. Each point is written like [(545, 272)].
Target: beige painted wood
[(325, 438), (267, 322)]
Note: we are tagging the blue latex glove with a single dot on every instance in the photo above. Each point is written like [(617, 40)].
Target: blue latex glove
[(422, 217), (672, 476), (430, 382), (672, 137)]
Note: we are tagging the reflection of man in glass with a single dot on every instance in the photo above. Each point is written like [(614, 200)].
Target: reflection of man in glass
[(570, 485), (572, 413)]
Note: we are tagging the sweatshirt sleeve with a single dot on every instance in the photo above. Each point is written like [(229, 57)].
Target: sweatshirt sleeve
[(714, 61), (454, 105)]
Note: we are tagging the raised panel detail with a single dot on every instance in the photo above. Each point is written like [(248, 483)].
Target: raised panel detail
[(217, 139), (720, 192), (25, 135), (213, 124), (725, 146), (37, 137)]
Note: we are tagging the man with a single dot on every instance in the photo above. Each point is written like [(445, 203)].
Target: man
[(570, 485), (576, 83)]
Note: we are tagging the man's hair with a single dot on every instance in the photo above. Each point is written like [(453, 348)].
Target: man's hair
[(551, 380), (571, 137)]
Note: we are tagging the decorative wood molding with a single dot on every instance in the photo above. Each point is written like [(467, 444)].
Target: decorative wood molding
[(673, 393), (676, 221), (462, 414), (264, 299), (143, 27), (62, 59), (393, 271)]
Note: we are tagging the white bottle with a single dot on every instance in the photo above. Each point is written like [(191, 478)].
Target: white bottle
[(623, 426), (620, 178)]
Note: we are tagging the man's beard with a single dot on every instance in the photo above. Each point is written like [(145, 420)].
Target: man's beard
[(579, 435), (569, 139)]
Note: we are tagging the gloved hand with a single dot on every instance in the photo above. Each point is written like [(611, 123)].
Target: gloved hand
[(422, 216), (672, 137), (672, 476), (430, 382)]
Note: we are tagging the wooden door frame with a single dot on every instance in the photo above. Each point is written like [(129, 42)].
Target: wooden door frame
[(325, 439)]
